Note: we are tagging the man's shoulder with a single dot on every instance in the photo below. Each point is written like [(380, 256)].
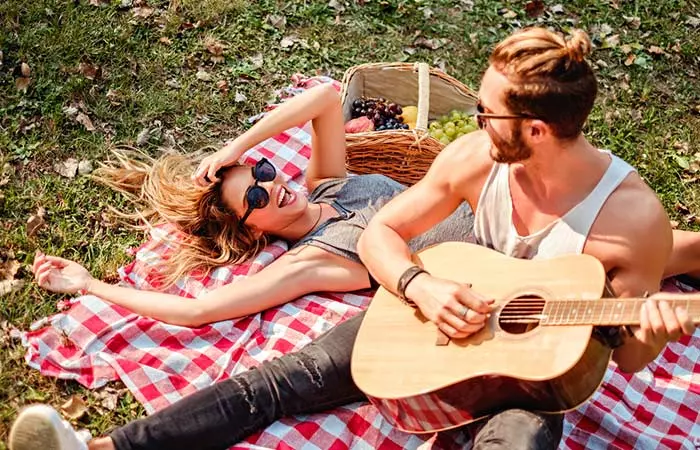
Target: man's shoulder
[(468, 156), (632, 237), (637, 206), (631, 225)]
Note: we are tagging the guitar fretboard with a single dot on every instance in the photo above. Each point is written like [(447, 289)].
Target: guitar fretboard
[(609, 311)]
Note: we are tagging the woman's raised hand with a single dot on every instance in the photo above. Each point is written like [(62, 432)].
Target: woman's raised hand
[(206, 172), (60, 275)]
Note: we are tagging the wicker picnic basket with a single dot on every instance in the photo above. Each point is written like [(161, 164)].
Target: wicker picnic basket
[(404, 155)]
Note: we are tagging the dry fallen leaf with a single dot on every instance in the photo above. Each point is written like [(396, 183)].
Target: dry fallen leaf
[(85, 167), (288, 41), (109, 401), (633, 22), (8, 269), (216, 48), (143, 11), (335, 4), (89, 71), (611, 41), (35, 222), (681, 208), (85, 121), (143, 137), (25, 70), (222, 85), (203, 75), (630, 59), (67, 168), (534, 8), (277, 21), (165, 40), (113, 97), (240, 97), (8, 332), (508, 14), (655, 50), (10, 286), (430, 44), (173, 84), (257, 60), (22, 72), (74, 408), (605, 30), (22, 83), (557, 9)]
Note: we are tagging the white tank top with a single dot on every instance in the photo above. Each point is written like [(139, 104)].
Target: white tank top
[(493, 222)]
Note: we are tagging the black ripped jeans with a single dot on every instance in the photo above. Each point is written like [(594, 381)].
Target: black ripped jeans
[(314, 379)]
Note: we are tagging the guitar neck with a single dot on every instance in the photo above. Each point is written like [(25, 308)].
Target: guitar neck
[(611, 311)]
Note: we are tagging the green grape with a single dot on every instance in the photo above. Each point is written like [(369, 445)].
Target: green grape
[(450, 132), (445, 140), (437, 134), (434, 125)]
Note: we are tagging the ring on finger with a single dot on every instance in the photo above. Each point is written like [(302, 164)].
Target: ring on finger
[(463, 312)]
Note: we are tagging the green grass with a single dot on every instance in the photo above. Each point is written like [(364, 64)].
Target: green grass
[(647, 112)]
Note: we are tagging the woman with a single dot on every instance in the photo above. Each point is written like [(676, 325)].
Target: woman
[(238, 207)]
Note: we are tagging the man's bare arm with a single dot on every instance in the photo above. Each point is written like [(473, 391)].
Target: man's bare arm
[(383, 245), (642, 258)]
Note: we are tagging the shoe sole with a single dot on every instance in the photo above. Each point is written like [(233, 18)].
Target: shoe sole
[(34, 431)]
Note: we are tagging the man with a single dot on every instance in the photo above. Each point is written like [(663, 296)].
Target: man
[(538, 189)]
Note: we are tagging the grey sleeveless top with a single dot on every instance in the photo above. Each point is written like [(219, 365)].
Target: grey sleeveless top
[(357, 199)]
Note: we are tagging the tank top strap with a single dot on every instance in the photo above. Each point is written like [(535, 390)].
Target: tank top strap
[(585, 213)]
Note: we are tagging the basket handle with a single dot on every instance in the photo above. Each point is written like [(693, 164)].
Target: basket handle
[(423, 96)]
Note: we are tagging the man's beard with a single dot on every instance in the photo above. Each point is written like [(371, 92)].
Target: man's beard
[(512, 150)]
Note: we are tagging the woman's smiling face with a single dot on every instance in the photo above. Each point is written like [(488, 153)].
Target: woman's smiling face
[(284, 207)]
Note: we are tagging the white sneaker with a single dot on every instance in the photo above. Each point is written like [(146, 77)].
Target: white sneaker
[(40, 427)]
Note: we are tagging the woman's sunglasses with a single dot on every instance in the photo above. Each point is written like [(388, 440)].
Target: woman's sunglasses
[(481, 116), (257, 196)]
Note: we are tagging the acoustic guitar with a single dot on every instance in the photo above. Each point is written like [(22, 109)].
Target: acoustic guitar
[(535, 352)]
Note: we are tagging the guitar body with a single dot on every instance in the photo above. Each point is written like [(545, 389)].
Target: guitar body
[(422, 387)]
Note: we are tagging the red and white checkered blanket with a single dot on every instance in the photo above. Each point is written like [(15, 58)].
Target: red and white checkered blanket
[(95, 342)]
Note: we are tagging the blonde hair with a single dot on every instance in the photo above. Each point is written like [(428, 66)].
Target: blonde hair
[(163, 192), (550, 76)]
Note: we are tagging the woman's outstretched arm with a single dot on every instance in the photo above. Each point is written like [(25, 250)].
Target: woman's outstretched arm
[(299, 272), (320, 105)]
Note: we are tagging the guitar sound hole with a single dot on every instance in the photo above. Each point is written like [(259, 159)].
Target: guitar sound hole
[(521, 314)]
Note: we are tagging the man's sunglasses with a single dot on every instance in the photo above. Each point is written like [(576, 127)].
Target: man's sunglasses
[(481, 116), (257, 196)]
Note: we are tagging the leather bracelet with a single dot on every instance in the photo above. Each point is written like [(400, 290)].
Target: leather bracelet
[(405, 278)]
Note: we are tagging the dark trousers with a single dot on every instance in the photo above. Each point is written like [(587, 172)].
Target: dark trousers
[(315, 379)]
